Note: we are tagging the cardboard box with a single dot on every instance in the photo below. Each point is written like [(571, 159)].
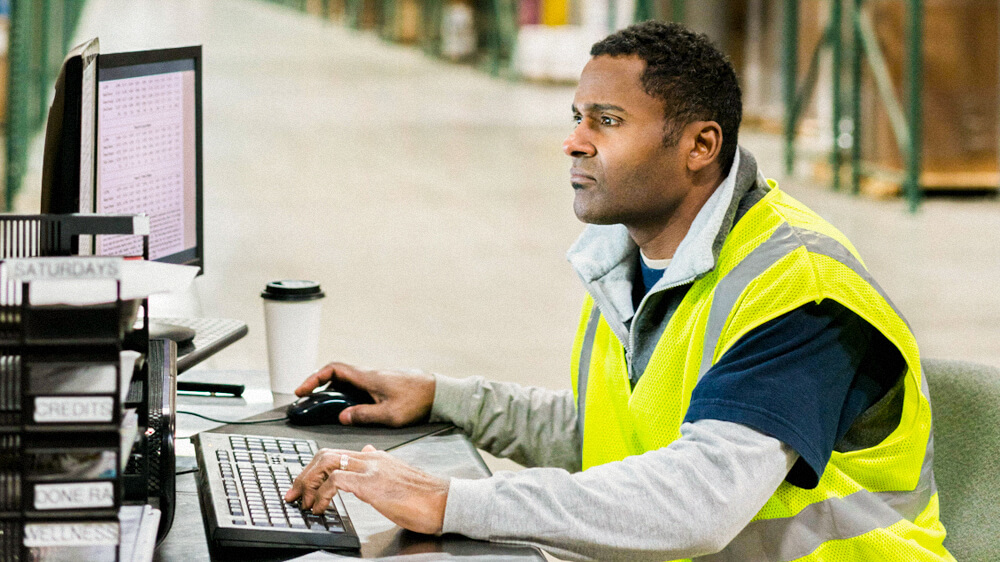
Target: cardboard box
[(960, 93)]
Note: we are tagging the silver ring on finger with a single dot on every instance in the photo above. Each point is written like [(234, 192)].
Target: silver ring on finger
[(343, 461)]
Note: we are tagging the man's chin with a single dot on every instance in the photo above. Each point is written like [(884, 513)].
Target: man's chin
[(583, 214)]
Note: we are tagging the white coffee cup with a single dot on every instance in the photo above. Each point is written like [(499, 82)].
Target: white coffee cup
[(292, 316)]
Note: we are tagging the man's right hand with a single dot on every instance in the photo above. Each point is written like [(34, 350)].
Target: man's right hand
[(401, 397)]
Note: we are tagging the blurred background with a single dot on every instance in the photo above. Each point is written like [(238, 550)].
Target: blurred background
[(406, 155)]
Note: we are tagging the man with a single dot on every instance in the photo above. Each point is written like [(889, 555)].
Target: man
[(743, 388)]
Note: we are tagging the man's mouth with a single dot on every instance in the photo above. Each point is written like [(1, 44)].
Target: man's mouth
[(580, 179)]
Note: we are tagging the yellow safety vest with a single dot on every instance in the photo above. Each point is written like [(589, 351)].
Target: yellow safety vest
[(878, 503)]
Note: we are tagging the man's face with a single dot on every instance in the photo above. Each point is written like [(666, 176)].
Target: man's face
[(622, 172)]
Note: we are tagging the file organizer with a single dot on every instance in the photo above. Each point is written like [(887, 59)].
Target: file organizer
[(82, 426)]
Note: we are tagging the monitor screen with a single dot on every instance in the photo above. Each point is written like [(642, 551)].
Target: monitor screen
[(149, 150)]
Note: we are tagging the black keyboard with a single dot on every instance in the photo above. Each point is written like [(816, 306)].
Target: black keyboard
[(242, 480)]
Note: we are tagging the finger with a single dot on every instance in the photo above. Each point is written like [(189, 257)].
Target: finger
[(363, 414), (347, 464), (298, 485), (348, 481), (350, 374), (325, 493), (369, 448), (325, 463), (321, 376), (351, 462), (295, 491)]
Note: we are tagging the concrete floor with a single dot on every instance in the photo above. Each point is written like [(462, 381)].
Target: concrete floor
[(433, 204)]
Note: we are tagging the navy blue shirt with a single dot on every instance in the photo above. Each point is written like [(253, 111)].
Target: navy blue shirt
[(802, 378), (649, 276)]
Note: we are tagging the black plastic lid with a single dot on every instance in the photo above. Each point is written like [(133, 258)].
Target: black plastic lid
[(292, 290)]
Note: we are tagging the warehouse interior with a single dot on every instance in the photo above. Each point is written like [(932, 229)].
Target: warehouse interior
[(421, 179)]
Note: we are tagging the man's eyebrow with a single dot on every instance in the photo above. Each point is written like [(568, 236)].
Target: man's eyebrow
[(598, 107)]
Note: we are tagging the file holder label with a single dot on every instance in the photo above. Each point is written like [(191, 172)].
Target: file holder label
[(71, 534), (74, 495), (49, 268), (83, 409)]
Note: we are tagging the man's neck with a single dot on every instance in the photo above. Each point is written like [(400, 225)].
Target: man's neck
[(660, 240)]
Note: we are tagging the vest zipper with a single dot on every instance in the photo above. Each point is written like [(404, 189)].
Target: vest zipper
[(630, 346)]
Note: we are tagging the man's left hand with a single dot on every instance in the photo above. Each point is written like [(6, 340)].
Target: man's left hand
[(408, 497)]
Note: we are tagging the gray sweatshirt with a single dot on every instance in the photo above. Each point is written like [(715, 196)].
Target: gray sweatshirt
[(684, 500)]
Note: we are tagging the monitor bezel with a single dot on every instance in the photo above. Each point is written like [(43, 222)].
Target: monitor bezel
[(134, 58), (61, 173)]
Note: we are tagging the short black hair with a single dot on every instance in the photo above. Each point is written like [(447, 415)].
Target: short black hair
[(695, 81)]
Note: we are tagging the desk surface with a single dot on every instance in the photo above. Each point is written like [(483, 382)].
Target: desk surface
[(431, 447)]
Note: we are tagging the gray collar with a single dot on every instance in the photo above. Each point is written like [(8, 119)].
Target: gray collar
[(604, 256)]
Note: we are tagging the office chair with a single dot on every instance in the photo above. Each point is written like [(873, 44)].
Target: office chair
[(965, 401)]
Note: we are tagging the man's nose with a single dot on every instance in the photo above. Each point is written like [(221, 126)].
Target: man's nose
[(577, 145)]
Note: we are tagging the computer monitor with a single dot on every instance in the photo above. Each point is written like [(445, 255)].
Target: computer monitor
[(124, 137), (149, 150), (68, 169), (139, 151)]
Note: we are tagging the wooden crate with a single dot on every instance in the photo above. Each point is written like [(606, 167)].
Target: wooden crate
[(960, 93)]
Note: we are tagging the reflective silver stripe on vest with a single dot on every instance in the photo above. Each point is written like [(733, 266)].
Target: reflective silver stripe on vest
[(793, 537), (585, 352), (783, 241)]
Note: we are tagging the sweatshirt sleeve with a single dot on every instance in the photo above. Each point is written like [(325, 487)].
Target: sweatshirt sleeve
[(532, 426), (688, 499)]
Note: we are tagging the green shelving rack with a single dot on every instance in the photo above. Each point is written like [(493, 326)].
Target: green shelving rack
[(857, 43), (40, 35)]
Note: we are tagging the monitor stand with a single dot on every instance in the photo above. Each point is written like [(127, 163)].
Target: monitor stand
[(180, 335), (197, 339)]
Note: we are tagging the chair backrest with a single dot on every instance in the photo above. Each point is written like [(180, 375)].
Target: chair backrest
[(965, 401)]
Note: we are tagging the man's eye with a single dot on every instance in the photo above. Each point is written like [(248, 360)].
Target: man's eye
[(577, 119), (609, 121)]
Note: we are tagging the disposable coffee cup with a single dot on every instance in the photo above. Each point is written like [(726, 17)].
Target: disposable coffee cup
[(292, 316)]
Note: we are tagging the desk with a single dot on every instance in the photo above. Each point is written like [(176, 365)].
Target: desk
[(435, 448)]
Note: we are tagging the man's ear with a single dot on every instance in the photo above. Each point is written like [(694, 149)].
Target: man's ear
[(704, 141)]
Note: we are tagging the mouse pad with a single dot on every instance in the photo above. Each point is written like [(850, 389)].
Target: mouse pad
[(336, 436)]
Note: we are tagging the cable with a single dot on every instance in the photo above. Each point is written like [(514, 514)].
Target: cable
[(189, 471), (231, 422)]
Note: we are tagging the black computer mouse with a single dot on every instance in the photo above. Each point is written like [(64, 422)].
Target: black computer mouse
[(324, 406)]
